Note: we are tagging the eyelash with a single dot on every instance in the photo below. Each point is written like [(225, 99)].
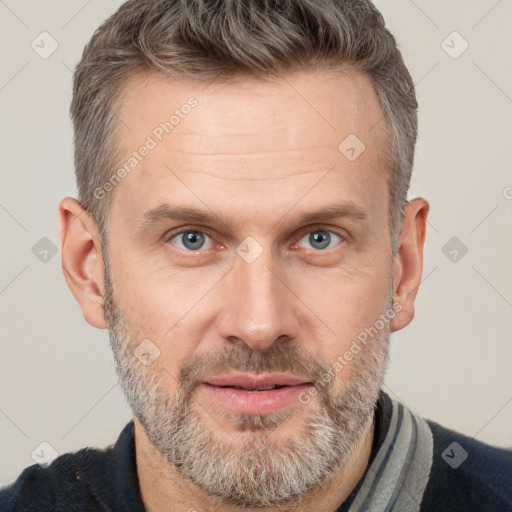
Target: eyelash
[(301, 234)]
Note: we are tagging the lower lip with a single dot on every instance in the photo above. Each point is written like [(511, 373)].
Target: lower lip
[(255, 402)]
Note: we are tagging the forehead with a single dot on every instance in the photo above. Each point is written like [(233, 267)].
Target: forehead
[(263, 142)]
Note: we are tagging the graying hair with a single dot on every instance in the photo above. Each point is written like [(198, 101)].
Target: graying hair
[(221, 39)]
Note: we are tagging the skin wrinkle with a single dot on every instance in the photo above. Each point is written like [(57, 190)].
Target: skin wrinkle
[(213, 175), (235, 155)]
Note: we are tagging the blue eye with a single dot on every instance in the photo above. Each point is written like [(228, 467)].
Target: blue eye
[(191, 240), (195, 240), (320, 239)]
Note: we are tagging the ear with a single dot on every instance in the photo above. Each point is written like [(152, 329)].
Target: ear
[(408, 264), (82, 261)]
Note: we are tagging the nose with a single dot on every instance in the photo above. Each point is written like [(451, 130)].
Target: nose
[(259, 307)]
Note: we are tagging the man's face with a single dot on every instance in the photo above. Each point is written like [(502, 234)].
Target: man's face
[(259, 290)]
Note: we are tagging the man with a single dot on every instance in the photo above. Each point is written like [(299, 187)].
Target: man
[(243, 232)]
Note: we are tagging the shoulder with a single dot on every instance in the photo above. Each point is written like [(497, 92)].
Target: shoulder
[(62, 485), (467, 474)]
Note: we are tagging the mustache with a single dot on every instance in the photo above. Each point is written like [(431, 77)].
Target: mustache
[(285, 358)]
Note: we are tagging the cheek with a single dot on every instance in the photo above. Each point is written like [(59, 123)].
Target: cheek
[(343, 304), (170, 311), (156, 297)]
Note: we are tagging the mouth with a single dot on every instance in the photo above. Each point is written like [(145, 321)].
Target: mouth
[(253, 395)]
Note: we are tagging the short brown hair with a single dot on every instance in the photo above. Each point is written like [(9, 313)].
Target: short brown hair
[(208, 39)]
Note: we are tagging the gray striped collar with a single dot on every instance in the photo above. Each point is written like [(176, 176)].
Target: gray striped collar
[(398, 475)]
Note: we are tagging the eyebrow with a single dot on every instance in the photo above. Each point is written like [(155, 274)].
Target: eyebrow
[(167, 211)]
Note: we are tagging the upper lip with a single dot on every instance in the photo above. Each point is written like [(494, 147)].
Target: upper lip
[(256, 382)]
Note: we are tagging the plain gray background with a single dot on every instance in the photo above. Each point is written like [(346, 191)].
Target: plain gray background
[(453, 363)]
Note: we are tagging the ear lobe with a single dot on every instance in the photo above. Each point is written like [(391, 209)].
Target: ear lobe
[(82, 261), (408, 264)]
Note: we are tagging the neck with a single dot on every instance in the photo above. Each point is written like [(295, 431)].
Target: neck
[(162, 488)]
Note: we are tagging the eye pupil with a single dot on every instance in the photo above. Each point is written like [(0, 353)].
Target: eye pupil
[(321, 238), (193, 240)]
